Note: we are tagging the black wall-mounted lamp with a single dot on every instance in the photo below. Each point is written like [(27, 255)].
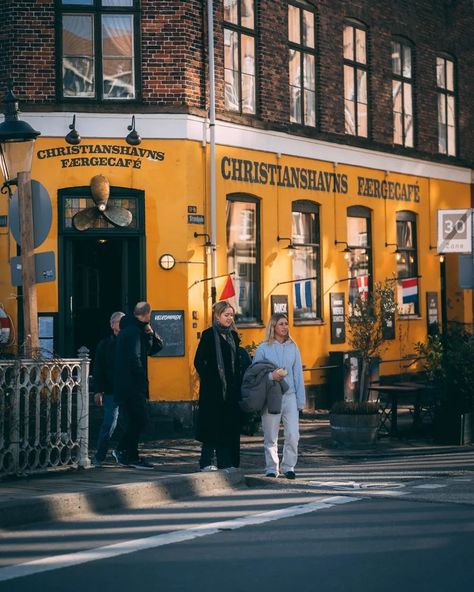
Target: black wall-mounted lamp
[(133, 138), (347, 251), (291, 247), (397, 250), (73, 136), (208, 244)]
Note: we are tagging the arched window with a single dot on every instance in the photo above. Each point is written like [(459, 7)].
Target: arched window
[(243, 255), (306, 261), (359, 241), (407, 264)]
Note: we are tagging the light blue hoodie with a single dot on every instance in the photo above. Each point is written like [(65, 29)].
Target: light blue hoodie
[(285, 355)]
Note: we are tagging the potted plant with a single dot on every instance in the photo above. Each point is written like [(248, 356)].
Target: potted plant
[(449, 368), (358, 421)]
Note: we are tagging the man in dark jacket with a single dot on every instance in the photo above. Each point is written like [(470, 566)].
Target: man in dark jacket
[(136, 341), (103, 384)]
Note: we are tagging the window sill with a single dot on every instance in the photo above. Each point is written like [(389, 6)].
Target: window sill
[(317, 323), (249, 325)]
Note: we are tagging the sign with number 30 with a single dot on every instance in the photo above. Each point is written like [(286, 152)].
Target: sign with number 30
[(454, 231)]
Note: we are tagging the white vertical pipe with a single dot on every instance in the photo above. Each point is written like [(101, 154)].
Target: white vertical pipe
[(212, 130)]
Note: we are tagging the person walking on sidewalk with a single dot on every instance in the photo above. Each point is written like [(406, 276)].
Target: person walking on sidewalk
[(217, 363), (135, 342), (282, 351), (103, 384)]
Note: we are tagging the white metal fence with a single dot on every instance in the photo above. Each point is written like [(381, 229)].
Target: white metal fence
[(44, 414)]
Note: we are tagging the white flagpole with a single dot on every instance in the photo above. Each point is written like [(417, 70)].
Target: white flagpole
[(212, 130)]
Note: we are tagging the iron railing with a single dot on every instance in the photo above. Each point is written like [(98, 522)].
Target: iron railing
[(44, 414)]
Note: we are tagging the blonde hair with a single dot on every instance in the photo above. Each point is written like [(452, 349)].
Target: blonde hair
[(270, 330)]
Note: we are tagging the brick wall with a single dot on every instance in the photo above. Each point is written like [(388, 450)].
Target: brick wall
[(174, 63)]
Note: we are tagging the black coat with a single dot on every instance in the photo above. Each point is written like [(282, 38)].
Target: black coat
[(103, 369), (218, 420), (133, 347)]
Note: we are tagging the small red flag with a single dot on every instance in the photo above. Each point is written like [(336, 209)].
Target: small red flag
[(229, 290)]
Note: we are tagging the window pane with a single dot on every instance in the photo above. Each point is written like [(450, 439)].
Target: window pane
[(362, 86), (293, 24), (408, 130), (451, 113), (406, 61), (231, 74), (348, 41), (349, 91), (294, 67), (78, 60), (397, 128), (407, 98), (248, 75), (117, 2), (295, 104), (442, 109), (230, 11), (117, 51), (304, 289), (396, 59), (308, 28), (451, 140), (449, 75), (349, 117), (357, 231), (362, 119), (309, 107), (248, 55), (440, 79), (231, 50), (232, 92), (247, 14), (361, 56), (243, 258), (405, 237), (442, 139), (397, 96), (309, 72)]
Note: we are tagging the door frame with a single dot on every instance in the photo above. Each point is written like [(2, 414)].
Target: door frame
[(67, 235)]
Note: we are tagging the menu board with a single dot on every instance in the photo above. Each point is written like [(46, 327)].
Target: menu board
[(338, 317), (279, 304), (432, 314), (169, 324)]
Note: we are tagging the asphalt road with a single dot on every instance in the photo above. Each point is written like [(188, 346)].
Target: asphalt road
[(319, 535)]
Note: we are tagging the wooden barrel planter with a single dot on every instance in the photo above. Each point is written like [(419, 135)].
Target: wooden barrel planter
[(353, 429)]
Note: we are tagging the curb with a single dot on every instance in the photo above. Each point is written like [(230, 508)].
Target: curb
[(62, 506)]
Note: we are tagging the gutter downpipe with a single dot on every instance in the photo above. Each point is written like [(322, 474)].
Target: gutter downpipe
[(212, 131)]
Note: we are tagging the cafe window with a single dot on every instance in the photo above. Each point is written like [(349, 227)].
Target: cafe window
[(302, 63), (359, 256), (402, 93), (446, 106), (243, 255), (239, 56), (355, 80), (306, 274), (407, 264), (98, 42)]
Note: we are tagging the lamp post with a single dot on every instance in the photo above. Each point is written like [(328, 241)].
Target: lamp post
[(17, 140)]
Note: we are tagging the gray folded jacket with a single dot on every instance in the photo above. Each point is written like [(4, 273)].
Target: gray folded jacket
[(258, 390)]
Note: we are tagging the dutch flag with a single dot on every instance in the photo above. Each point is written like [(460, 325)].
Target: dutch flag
[(409, 290), (303, 294)]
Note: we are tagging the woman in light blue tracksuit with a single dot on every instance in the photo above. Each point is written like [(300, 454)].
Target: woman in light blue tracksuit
[(280, 349)]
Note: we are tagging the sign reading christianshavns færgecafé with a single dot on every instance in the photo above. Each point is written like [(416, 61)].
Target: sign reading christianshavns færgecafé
[(309, 179), (105, 155)]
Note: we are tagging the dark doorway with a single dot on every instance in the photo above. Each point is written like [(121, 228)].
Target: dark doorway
[(102, 275)]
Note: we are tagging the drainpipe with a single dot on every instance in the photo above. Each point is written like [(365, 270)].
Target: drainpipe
[(212, 130)]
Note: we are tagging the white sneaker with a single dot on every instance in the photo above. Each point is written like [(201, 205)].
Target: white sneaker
[(208, 469)]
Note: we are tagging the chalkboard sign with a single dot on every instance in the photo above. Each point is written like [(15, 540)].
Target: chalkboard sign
[(279, 304), (169, 324), (338, 317)]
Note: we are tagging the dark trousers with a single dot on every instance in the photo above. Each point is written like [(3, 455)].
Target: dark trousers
[(226, 456), (133, 418), (109, 423)]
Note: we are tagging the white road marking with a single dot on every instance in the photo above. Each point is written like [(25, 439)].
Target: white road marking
[(430, 486), (108, 551)]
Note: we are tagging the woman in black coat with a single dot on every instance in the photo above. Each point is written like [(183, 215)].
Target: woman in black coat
[(217, 363)]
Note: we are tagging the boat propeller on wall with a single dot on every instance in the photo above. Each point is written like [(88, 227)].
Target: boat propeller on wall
[(100, 189)]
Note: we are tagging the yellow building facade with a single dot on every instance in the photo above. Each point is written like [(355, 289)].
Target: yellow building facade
[(165, 183)]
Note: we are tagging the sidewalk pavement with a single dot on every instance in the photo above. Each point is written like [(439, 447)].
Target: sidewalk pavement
[(63, 494)]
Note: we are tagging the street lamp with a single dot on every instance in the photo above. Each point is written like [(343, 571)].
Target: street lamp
[(17, 140)]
